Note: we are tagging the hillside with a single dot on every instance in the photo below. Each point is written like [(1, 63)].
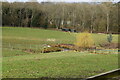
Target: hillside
[(68, 64)]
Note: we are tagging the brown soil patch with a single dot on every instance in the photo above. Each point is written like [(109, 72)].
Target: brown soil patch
[(29, 51), (110, 45)]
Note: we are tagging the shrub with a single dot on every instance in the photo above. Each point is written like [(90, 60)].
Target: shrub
[(109, 38), (66, 46), (51, 49), (84, 40)]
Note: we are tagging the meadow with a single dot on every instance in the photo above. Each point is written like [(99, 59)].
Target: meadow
[(67, 64)]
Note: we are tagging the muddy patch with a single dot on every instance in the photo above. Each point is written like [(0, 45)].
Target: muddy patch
[(110, 45)]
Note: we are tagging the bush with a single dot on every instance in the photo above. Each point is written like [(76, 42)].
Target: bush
[(109, 38), (84, 40), (51, 49), (66, 46)]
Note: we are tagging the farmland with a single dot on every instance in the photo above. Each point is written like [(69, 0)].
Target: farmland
[(67, 64)]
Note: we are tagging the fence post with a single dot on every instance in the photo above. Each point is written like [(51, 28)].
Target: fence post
[(36, 47), (30, 46), (9, 45)]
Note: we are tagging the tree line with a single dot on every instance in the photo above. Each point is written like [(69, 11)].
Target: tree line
[(93, 17)]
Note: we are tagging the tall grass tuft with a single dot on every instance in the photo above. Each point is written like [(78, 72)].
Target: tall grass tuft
[(84, 40)]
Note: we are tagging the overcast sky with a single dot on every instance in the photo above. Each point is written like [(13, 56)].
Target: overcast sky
[(60, 0)]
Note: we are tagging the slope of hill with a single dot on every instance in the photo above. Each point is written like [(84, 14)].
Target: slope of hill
[(69, 64)]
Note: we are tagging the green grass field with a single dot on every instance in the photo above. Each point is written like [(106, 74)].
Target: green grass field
[(68, 64)]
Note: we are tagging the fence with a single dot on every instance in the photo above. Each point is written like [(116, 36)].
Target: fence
[(22, 46)]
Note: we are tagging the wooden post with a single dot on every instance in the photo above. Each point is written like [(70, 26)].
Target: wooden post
[(9, 45), (30, 46)]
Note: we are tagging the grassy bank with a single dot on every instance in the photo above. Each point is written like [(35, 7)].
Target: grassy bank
[(69, 64)]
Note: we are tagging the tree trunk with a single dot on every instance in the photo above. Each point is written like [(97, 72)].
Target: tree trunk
[(107, 22), (91, 24), (91, 28)]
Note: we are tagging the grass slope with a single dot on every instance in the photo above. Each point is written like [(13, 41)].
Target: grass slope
[(18, 64), (40, 36), (34, 36), (66, 65)]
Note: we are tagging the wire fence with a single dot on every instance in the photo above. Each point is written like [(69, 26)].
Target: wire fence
[(22, 46)]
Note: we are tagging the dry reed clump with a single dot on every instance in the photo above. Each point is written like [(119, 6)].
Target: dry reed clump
[(84, 40)]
